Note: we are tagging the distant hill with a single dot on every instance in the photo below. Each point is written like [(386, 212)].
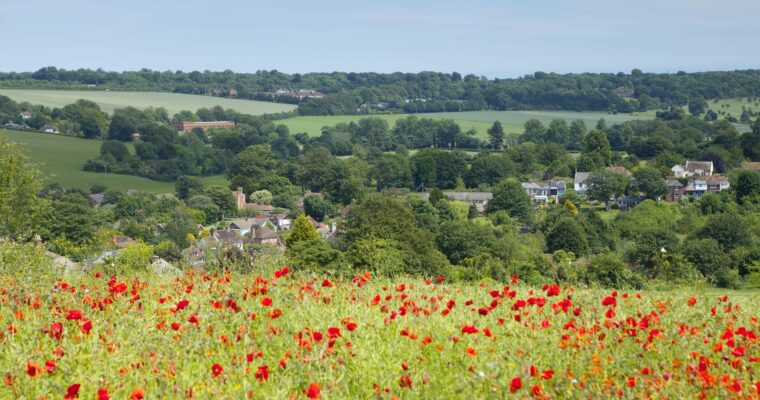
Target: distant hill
[(352, 93)]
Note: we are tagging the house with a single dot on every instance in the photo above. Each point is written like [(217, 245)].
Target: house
[(25, 115), (693, 168), (533, 190), (540, 194), (263, 209), (754, 166), (244, 226), (696, 188), (50, 129), (717, 183), (620, 171), (232, 92), (282, 220), (240, 200), (187, 126), (13, 125), (675, 190), (266, 236), (208, 246), (96, 199), (579, 182)]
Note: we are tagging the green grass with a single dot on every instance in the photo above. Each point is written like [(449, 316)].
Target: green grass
[(512, 121), (173, 102), (61, 159)]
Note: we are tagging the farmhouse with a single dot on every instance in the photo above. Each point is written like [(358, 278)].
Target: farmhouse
[(187, 126), (693, 168), (579, 182), (50, 129)]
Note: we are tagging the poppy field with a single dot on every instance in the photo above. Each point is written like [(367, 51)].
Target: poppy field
[(288, 335)]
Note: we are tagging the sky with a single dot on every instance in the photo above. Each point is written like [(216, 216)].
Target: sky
[(494, 38)]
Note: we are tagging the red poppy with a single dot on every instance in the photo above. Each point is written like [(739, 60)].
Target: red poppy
[(137, 394), (326, 283), (262, 373), (74, 315), (692, 301), (50, 366), (317, 336), (33, 369), (103, 394), (405, 382), (440, 279), (175, 326), (483, 311), (313, 391), (182, 305), (333, 333), (351, 326), (266, 302), (86, 327), (56, 330), (515, 384), (610, 313), (72, 392), (739, 351), (216, 370), (547, 374), (469, 329), (193, 319), (609, 301), (471, 352)]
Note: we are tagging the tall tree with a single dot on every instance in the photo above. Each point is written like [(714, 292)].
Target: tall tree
[(496, 135), (510, 196), (605, 184), (21, 211)]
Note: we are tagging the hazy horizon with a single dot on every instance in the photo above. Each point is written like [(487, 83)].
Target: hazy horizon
[(506, 40)]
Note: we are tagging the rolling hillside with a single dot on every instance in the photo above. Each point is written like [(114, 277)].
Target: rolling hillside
[(61, 159), (173, 102)]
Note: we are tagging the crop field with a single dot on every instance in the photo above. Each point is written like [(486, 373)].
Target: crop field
[(61, 159), (173, 102), (281, 335), (512, 121)]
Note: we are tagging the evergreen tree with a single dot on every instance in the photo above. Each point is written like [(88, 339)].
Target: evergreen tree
[(302, 231), (496, 135)]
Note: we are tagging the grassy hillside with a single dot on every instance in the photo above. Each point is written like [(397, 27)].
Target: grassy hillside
[(479, 120), (62, 157), (173, 102)]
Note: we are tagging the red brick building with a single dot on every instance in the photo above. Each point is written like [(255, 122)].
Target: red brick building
[(187, 126)]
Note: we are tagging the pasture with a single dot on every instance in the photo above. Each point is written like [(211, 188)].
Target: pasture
[(172, 102), (61, 159), (278, 335), (512, 121)]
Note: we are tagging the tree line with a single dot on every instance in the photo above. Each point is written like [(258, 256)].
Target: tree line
[(352, 93)]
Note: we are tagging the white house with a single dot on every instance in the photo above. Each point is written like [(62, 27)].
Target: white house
[(579, 184), (693, 168)]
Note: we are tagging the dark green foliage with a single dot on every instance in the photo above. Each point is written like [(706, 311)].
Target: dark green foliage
[(567, 234), (746, 186), (458, 240), (609, 271), (318, 208), (649, 182), (188, 186), (730, 230), (510, 197)]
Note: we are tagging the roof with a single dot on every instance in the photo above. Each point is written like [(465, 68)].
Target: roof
[(246, 224), (715, 179), (581, 177), (97, 198), (530, 185), (469, 196), (755, 166), (619, 170), (262, 207), (264, 233), (674, 183), (698, 165), (228, 236)]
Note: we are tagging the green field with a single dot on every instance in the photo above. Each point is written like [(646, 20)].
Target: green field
[(61, 159), (512, 121), (172, 102)]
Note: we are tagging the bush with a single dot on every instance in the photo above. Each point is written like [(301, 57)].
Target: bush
[(135, 257), (607, 270)]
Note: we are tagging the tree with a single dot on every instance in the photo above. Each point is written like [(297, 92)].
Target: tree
[(302, 231), (392, 170), (21, 211), (603, 185), (510, 196), (747, 185), (729, 229), (121, 128), (460, 240), (72, 219), (116, 149), (496, 135), (648, 180), (566, 234), (255, 162), (598, 146), (222, 198), (181, 223), (188, 186), (697, 107), (318, 208), (261, 197)]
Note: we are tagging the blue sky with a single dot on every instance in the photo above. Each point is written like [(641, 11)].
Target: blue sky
[(496, 38)]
